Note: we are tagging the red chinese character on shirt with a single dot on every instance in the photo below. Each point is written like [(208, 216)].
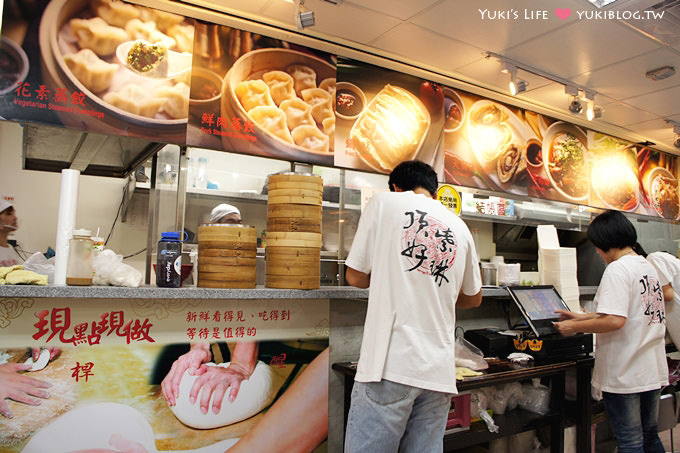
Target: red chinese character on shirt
[(22, 89), (61, 96), (84, 370), (78, 98), (43, 93), (207, 119)]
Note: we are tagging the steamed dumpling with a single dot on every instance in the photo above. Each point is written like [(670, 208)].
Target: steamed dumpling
[(183, 36), (329, 85), (92, 71), (310, 137), (147, 31), (177, 100), (297, 112), (321, 102), (97, 35), (164, 21), (329, 129), (280, 85), (253, 93), (273, 120), (304, 77), (115, 12), (134, 99)]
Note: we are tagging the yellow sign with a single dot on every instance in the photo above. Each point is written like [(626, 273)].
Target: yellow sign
[(449, 197)]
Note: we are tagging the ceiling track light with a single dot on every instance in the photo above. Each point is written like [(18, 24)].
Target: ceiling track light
[(515, 85), (303, 17), (676, 131), (575, 105)]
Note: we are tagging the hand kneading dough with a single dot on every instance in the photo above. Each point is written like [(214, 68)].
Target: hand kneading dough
[(255, 394), (91, 427), (41, 363)]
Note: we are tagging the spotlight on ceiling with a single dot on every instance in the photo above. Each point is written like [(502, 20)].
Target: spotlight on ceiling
[(515, 85), (590, 105), (303, 18), (575, 105)]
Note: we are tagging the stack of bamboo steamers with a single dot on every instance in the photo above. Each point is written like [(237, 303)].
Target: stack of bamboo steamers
[(293, 251), (226, 256)]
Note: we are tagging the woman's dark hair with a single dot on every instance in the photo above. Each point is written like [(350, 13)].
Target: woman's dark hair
[(611, 229), (411, 174)]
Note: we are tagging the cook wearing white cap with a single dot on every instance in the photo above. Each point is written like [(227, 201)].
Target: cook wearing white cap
[(225, 213), (8, 224)]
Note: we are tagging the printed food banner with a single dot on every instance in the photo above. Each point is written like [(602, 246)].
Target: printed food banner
[(493, 146), (116, 362), (104, 66), (384, 117), (258, 95), (122, 69)]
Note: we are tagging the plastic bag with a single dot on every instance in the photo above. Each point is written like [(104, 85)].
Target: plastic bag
[(110, 270), (469, 355), (40, 265), (535, 397)]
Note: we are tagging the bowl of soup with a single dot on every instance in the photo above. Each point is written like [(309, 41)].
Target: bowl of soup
[(564, 154)]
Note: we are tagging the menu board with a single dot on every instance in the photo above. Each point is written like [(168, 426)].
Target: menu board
[(123, 69)]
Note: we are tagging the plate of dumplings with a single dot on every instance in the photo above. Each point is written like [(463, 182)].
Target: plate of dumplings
[(78, 43), (288, 96)]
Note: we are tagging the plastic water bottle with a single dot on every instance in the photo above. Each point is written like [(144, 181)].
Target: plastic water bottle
[(169, 260), (201, 174)]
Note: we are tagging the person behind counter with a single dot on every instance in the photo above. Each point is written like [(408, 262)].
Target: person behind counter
[(668, 268), (406, 373), (8, 224), (629, 320), (225, 213)]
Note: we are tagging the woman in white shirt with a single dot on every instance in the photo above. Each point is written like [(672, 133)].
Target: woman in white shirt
[(630, 324)]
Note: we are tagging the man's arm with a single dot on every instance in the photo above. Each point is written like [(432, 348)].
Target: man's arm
[(356, 278), (464, 301)]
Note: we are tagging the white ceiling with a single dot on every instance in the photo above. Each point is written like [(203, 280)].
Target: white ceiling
[(451, 38)]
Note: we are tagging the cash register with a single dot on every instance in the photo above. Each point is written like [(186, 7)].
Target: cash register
[(540, 338)]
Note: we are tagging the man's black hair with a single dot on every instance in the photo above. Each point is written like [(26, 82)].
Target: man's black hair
[(611, 229), (411, 174)]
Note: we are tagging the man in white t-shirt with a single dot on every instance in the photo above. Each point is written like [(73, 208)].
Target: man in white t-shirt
[(420, 262), (8, 224)]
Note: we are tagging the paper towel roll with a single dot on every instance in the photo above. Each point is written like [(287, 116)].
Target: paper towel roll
[(66, 221)]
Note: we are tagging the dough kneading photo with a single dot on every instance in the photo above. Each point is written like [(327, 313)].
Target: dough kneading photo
[(254, 395), (91, 427)]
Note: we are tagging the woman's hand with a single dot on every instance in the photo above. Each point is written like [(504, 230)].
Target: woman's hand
[(193, 361), (19, 387)]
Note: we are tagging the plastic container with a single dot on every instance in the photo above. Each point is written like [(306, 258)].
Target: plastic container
[(201, 174), (80, 269), (169, 260)]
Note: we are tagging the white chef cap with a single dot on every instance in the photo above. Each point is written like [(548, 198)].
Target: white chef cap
[(4, 204), (221, 210)]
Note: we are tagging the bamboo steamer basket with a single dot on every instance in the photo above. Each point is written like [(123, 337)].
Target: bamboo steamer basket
[(293, 254), (226, 256)]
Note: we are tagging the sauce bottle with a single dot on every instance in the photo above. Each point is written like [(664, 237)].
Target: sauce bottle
[(169, 260)]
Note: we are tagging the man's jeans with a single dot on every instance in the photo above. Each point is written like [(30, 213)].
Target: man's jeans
[(388, 417), (634, 420)]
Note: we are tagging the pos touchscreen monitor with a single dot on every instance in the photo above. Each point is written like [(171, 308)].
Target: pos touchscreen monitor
[(538, 305)]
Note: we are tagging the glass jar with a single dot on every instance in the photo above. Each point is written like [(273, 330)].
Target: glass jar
[(80, 269)]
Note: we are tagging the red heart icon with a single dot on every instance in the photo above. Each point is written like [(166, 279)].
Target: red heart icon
[(563, 13)]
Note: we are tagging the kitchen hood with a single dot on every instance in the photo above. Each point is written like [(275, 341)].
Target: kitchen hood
[(54, 149)]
